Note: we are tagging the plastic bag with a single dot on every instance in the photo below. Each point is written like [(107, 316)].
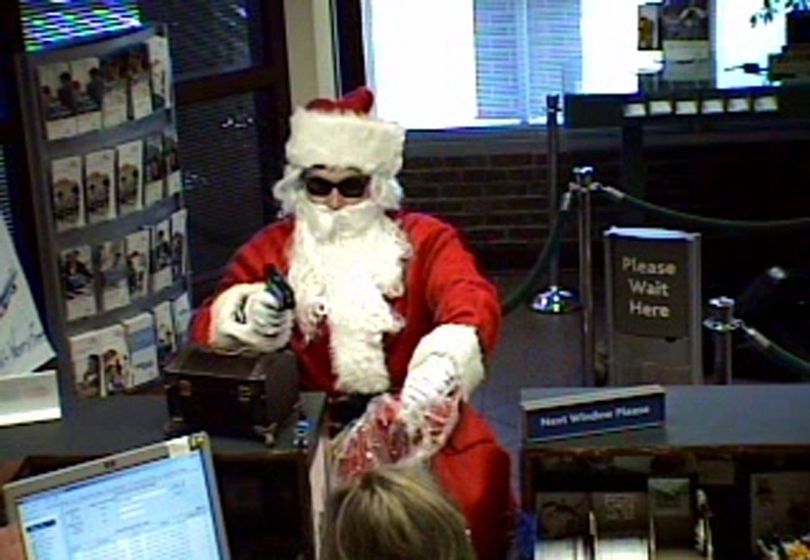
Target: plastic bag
[(384, 436)]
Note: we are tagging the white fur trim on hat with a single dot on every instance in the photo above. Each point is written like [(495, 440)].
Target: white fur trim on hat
[(460, 344), (345, 140)]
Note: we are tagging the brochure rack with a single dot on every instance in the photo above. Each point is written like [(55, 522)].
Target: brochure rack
[(108, 205)]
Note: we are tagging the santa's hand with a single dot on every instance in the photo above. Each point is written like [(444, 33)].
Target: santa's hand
[(247, 316), (264, 315), (430, 383)]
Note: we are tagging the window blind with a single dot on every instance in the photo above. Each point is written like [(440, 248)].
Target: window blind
[(47, 23), (222, 178), (207, 36), (497, 58), (525, 50)]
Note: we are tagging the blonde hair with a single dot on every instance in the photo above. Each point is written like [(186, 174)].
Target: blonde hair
[(394, 513)]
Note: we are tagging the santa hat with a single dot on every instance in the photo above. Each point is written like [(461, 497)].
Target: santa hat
[(342, 133)]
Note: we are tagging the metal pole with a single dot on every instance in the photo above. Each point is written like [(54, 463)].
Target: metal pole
[(552, 136), (554, 299), (722, 323), (584, 178)]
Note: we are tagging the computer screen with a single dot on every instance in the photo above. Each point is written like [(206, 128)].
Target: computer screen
[(162, 509)]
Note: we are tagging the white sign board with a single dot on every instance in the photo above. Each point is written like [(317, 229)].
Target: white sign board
[(29, 397), (23, 344)]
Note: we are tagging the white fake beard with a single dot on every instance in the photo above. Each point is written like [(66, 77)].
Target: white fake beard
[(344, 264)]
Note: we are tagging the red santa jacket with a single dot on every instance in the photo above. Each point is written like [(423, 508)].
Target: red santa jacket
[(443, 286)]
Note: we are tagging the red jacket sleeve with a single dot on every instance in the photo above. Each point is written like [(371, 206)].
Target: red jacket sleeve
[(455, 289), (248, 265)]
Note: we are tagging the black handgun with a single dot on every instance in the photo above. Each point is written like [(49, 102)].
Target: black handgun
[(277, 286)]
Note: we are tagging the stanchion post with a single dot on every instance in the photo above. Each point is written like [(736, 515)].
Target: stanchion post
[(554, 299), (552, 137), (722, 324), (584, 181)]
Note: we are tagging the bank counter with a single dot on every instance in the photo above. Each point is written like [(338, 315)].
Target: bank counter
[(745, 448), (271, 496)]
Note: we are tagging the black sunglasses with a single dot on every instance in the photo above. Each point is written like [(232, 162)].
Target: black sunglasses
[(350, 187)]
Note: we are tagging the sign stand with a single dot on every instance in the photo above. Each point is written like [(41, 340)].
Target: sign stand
[(653, 306)]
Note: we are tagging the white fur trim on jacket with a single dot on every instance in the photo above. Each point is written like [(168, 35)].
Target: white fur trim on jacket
[(460, 344), (359, 361), (345, 140)]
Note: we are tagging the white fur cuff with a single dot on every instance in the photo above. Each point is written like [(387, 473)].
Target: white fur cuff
[(460, 344)]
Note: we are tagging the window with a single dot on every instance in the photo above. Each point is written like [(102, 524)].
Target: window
[(524, 51), (49, 22), (209, 36), (492, 62)]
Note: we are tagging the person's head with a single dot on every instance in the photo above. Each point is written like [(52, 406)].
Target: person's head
[(347, 255), (394, 514), (339, 142)]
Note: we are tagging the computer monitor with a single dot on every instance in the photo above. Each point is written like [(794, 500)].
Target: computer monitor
[(155, 502)]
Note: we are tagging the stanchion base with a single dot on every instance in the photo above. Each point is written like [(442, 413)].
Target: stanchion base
[(555, 301)]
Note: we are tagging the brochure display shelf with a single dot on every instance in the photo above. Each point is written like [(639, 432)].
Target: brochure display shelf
[(730, 464), (109, 210)]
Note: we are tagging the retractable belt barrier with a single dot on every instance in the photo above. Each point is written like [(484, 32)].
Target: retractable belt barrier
[(776, 353), (581, 191), (529, 285), (702, 222)]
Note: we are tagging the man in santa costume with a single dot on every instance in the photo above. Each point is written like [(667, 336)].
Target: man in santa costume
[(385, 301)]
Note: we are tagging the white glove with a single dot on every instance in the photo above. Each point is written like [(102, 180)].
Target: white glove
[(429, 383), (247, 316)]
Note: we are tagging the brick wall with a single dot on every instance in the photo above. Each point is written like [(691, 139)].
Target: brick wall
[(500, 200)]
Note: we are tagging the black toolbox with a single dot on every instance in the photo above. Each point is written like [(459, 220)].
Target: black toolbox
[(243, 395)]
